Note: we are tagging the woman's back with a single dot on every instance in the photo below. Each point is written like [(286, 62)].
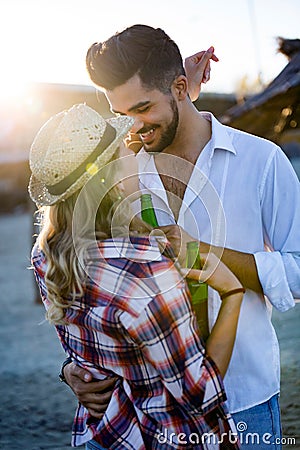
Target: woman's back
[(135, 321)]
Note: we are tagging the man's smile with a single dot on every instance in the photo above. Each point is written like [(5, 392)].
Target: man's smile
[(148, 135)]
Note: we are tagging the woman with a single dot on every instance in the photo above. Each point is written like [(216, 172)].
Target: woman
[(120, 307)]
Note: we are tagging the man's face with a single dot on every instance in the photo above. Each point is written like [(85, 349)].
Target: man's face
[(156, 114)]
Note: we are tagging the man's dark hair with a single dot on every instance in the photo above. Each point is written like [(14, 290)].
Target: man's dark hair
[(140, 49)]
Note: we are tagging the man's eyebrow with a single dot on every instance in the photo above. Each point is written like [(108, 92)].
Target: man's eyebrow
[(134, 107)]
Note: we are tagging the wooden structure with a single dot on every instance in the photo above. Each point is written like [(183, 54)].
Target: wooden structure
[(274, 113)]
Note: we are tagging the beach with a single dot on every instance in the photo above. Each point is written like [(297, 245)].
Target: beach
[(37, 409)]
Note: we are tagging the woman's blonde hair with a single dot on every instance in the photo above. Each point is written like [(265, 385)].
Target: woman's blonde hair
[(102, 205)]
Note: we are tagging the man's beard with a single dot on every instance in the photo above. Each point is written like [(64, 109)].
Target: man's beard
[(168, 135)]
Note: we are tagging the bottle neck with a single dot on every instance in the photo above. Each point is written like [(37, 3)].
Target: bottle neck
[(193, 256), (147, 210)]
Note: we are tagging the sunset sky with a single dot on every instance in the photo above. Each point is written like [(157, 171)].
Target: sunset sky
[(46, 40)]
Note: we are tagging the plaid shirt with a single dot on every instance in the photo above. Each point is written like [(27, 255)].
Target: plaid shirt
[(135, 321)]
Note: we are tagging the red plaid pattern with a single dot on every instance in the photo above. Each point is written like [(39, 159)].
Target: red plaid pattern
[(135, 321)]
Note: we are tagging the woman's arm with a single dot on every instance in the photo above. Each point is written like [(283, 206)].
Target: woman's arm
[(220, 343), (197, 69), (165, 332)]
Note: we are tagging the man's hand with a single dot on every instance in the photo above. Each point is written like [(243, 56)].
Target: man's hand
[(93, 395), (197, 69), (178, 238)]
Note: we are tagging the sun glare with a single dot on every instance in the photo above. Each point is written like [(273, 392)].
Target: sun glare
[(12, 90)]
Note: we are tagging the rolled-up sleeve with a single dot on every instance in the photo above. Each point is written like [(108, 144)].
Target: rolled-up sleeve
[(279, 268), (273, 279)]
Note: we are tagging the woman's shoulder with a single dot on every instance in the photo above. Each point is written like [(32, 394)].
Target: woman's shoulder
[(134, 248), (38, 258), (131, 263)]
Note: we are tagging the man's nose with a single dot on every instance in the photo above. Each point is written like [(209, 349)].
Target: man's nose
[(138, 125)]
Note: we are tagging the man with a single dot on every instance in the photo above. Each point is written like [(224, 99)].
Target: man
[(221, 186)]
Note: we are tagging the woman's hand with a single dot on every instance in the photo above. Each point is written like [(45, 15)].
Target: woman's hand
[(197, 69), (215, 273), (178, 239), (133, 141)]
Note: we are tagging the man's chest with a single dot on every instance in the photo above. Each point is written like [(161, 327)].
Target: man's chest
[(174, 174), (175, 190)]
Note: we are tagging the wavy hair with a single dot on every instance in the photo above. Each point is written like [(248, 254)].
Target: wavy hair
[(139, 49), (65, 275)]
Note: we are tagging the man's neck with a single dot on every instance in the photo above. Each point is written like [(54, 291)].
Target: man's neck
[(193, 133)]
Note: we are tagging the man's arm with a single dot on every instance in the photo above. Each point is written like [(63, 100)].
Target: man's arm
[(279, 268), (241, 264)]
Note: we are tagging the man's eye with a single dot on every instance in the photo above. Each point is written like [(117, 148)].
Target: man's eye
[(143, 110)]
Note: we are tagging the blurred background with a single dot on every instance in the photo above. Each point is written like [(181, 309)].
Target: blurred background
[(255, 87), (44, 42)]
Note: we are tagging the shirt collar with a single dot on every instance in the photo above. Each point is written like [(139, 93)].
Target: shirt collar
[(134, 248), (220, 137)]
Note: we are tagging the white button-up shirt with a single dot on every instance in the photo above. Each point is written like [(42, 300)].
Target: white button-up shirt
[(244, 195)]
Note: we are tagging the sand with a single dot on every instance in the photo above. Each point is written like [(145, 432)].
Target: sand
[(37, 409)]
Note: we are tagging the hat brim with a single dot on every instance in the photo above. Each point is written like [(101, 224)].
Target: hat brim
[(38, 190)]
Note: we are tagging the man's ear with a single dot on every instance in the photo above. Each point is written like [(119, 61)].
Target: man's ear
[(180, 87)]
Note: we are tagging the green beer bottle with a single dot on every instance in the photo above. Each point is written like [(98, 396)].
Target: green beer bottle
[(147, 210), (198, 290), (148, 215)]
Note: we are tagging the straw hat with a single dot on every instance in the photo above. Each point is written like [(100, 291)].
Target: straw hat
[(69, 148)]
